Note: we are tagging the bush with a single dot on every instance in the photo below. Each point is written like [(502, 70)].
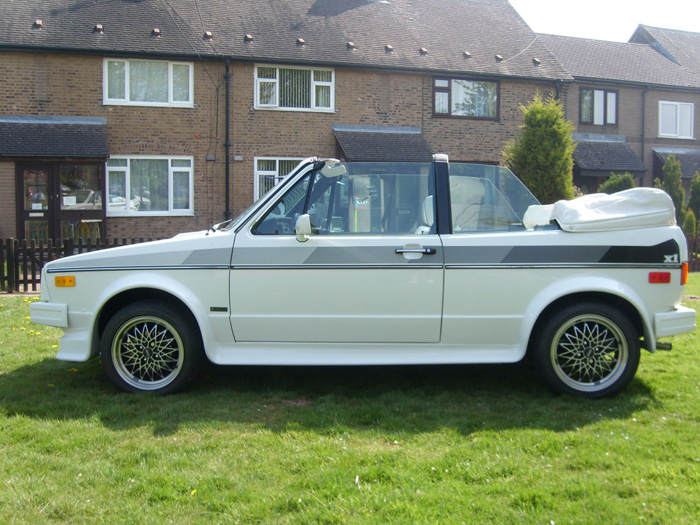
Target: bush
[(617, 182)]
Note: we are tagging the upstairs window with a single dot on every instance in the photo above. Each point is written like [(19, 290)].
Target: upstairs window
[(457, 97), (148, 83), (294, 89), (598, 107), (676, 120)]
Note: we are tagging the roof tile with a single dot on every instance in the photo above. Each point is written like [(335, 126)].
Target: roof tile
[(624, 62), (443, 28)]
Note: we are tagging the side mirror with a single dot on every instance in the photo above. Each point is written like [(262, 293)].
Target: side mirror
[(303, 227)]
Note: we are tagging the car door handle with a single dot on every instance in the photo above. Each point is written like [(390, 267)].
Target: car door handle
[(423, 251)]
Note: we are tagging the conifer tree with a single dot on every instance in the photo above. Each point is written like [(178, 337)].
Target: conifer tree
[(690, 224), (694, 200), (673, 185), (542, 157)]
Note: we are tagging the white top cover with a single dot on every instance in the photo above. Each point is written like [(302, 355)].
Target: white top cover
[(629, 209)]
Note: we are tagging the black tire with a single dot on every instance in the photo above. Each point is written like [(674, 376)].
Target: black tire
[(588, 350), (151, 346)]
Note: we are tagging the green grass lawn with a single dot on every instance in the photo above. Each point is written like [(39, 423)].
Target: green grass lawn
[(447, 444)]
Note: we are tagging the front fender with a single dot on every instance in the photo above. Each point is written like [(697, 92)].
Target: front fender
[(192, 292)]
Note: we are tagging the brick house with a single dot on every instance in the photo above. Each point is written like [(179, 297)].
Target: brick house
[(144, 119), (682, 48), (632, 106)]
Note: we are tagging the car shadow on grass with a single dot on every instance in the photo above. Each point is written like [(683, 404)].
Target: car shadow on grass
[(396, 399)]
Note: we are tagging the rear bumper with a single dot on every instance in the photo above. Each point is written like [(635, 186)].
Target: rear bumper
[(678, 321)]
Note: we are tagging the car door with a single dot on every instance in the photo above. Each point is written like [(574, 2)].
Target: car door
[(371, 270), (488, 281)]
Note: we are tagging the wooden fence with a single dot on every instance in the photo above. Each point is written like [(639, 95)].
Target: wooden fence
[(21, 261)]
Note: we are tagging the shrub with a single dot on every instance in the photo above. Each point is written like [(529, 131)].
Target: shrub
[(617, 182)]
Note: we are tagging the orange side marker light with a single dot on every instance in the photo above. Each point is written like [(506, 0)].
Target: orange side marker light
[(65, 281)]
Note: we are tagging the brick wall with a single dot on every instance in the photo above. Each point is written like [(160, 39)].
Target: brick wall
[(630, 117), (471, 140), (652, 139), (71, 85), (198, 132), (373, 98)]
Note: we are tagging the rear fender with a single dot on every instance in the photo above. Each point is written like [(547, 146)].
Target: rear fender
[(576, 285)]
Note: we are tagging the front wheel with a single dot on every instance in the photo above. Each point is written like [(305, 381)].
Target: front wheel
[(588, 350), (151, 347)]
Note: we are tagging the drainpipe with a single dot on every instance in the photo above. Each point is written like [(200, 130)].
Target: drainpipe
[(227, 144), (644, 123)]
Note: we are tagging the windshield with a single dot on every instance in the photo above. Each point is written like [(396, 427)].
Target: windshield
[(356, 198), (233, 224), (390, 198)]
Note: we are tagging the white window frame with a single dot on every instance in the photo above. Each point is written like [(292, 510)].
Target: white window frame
[(264, 173), (126, 170), (127, 102), (314, 83), (677, 107)]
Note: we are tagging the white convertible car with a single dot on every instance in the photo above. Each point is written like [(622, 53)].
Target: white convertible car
[(386, 264)]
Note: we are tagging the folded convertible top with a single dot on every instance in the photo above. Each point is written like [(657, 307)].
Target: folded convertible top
[(629, 209)]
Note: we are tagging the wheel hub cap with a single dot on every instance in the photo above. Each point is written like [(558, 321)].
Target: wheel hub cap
[(589, 352), (148, 353)]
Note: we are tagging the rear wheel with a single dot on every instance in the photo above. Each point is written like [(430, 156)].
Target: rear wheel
[(588, 350), (151, 347)]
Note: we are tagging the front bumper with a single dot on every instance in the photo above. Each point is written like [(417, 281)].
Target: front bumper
[(678, 321), (76, 343), (50, 314)]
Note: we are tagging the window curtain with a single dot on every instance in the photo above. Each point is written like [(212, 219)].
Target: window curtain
[(148, 81), (149, 184), (116, 80), (295, 88)]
